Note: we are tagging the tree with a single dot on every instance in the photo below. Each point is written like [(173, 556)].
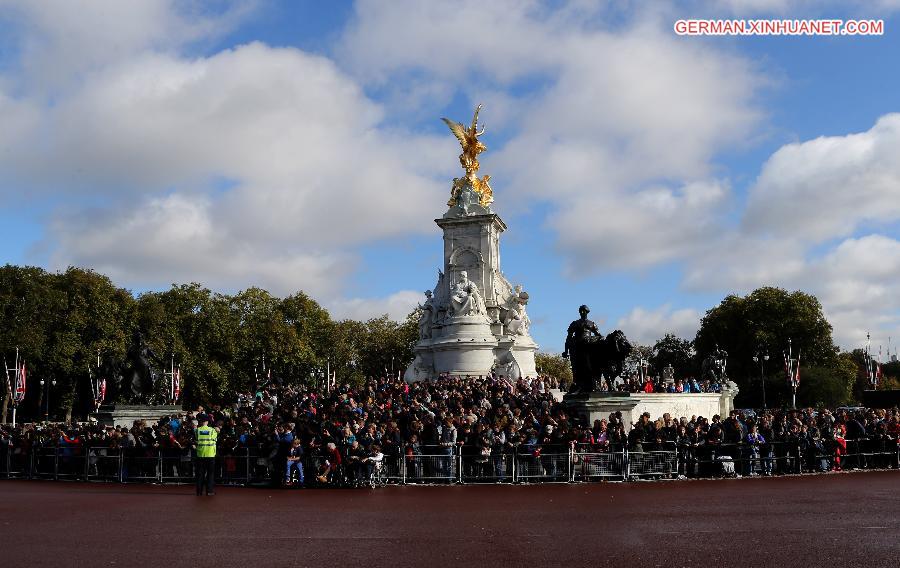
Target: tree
[(672, 350), (93, 319), (633, 361), (554, 365), (891, 376), (766, 318), (26, 308), (827, 385)]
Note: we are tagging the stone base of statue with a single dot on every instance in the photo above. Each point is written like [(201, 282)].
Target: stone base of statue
[(126, 414), (494, 336), (590, 406)]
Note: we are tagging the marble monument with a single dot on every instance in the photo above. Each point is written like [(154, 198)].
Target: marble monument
[(474, 322)]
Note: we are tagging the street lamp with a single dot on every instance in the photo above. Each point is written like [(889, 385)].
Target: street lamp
[(761, 356), (46, 386)]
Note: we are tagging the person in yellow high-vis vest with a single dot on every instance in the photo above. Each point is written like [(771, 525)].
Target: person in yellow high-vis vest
[(205, 438)]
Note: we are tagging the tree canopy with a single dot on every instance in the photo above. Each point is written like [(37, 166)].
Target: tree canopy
[(61, 321), (763, 322)]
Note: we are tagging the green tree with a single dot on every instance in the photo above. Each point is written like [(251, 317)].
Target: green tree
[(766, 318), (554, 365), (89, 316), (672, 350), (890, 376), (830, 385), (27, 303)]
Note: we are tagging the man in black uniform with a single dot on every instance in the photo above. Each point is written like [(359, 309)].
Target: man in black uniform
[(581, 339)]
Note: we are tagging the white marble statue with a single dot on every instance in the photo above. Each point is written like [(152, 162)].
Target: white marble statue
[(426, 320), (465, 300), (517, 321)]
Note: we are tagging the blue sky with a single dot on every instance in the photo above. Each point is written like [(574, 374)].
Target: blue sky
[(297, 145)]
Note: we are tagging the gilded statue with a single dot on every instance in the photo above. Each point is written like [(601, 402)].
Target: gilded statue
[(471, 147)]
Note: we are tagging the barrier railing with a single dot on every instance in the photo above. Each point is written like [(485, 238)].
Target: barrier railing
[(493, 467), (652, 464), (104, 464), (543, 464), (524, 464), (589, 464), (720, 460)]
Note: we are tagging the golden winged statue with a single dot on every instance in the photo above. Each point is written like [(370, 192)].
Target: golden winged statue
[(471, 147)]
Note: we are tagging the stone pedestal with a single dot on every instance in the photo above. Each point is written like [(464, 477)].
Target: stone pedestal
[(125, 414), (588, 407), (494, 340)]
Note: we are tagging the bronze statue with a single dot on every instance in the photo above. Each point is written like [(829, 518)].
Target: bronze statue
[(713, 366), (581, 339), (593, 355), (138, 378)]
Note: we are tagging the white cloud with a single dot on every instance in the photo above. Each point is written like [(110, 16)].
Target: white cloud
[(644, 326), (176, 239), (858, 283), (644, 228), (397, 306), (61, 40), (830, 186), (285, 163), (621, 130)]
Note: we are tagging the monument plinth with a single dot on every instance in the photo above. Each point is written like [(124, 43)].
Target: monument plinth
[(126, 414), (474, 321), (597, 405)]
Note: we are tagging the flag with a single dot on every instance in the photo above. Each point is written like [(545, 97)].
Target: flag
[(176, 384), (797, 374), (878, 375), (20, 383), (101, 391)]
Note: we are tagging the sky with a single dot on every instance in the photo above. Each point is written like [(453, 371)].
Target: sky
[(298, 145)]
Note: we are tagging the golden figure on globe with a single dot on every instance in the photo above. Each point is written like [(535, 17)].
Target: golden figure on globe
[(471, 147)]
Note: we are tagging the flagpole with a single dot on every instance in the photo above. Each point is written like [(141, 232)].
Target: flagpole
[(9, 388), (15, 393)]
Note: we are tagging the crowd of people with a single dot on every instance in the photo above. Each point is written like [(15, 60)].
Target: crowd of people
[(350, 431), (651, 383)]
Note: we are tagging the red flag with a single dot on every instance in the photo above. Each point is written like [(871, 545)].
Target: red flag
[(797, 375), (102, 390), (176, 384), (20, 383)]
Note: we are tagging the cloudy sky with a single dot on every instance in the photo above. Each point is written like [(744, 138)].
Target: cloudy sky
[(297, 146)]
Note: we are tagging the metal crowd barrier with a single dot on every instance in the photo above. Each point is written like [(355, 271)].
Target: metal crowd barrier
[(722, 460), (525, 464), (651, 464), (543, 466), (591, 464), (495, 467), (868, 453)]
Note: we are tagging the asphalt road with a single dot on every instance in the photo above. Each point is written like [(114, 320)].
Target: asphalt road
[(849, 519)]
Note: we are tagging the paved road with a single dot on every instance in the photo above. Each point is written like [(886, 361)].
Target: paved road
[(850, 519)]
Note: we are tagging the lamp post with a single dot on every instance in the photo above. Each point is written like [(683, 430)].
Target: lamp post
[(46, 386), (761, 356)]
